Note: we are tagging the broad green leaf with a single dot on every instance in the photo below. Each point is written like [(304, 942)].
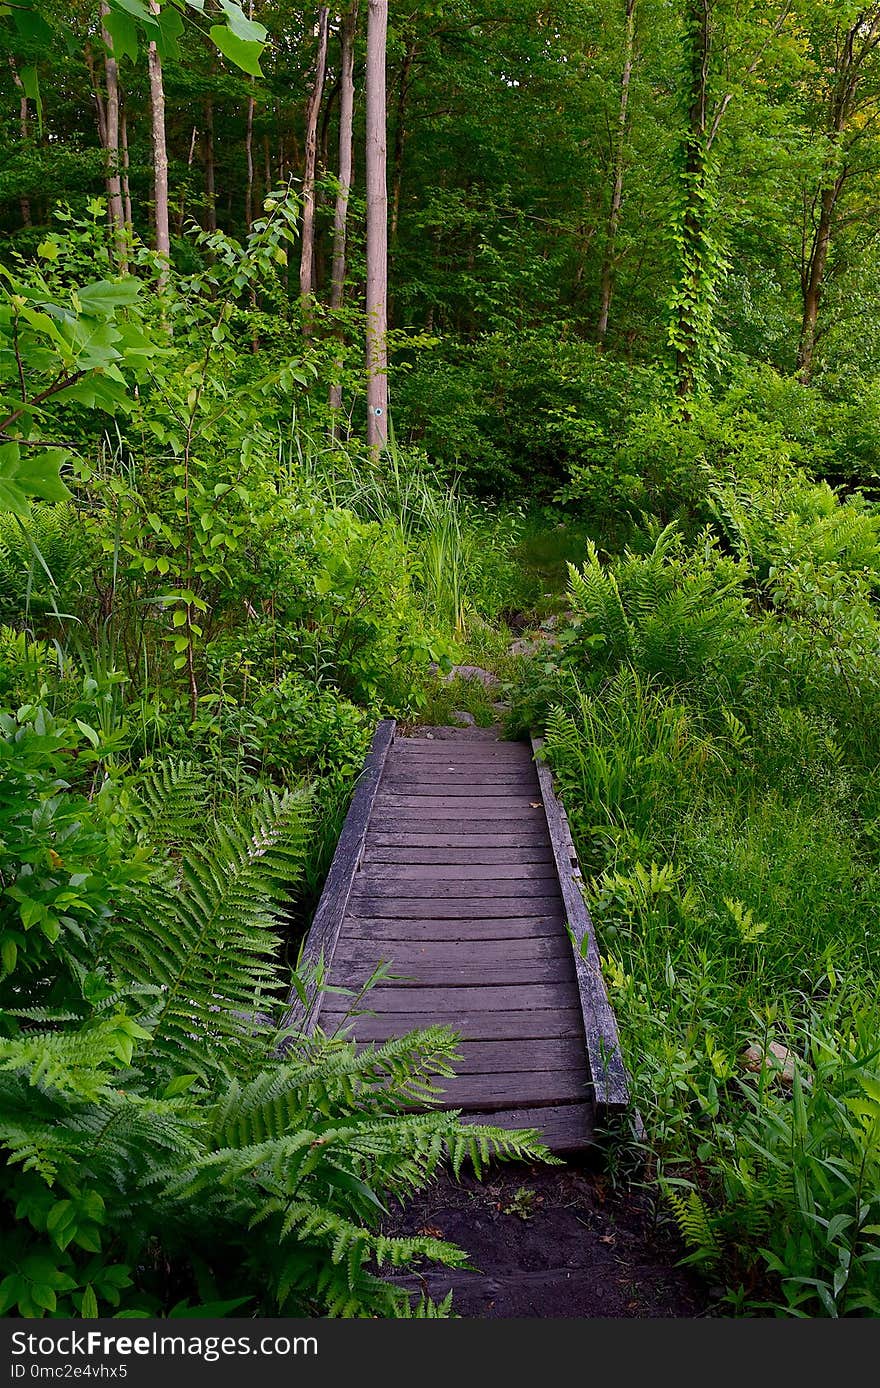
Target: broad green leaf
[(244, 55), (30, 81), (246, 29), (105, 297), (123, 35)]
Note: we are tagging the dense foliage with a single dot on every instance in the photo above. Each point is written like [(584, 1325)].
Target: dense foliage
[(633, 469)]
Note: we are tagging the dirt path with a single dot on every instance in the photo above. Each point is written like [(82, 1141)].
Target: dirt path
[(551, 1242)]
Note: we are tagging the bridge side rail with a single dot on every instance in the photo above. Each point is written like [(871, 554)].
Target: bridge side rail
[(610, 1082), (322, 938)]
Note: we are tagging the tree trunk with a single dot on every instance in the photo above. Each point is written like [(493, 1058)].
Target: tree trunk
[(111, 117), (249, 148), (24, 201), (126, 191), (859, 43), (377, 229), (160, 157), (210, 189), (189, 163), (607, 277), (400, 136), (347, 34), (249, 152), (306, 265)]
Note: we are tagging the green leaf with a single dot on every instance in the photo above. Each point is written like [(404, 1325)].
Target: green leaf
[(89, 1304), (123, 34), (178, 1085), (30, 81), (245, 29), (89, 733), (243, 54), (105, 297), (32, 26), (22, 479)]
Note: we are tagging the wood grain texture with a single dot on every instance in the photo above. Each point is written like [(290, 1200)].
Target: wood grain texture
[(521, 1088), (611, 1086), (366, 905), (327, 922), (449, 873), (564, 1128), (441, 1004), (468, 929), (410, 855), (472, 883), (470, 1025)]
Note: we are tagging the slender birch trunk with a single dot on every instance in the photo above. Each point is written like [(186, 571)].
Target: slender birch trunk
[(249, 155), (377, 228), (249, 148), (111, 148), (160, 156), (306, 265), (347, 34), (606, 288)]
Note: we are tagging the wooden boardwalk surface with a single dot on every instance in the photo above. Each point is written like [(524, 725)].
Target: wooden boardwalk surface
[(455, 868)]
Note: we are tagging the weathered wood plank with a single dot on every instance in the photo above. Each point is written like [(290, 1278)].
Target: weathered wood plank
[(458, 807), (467, 887), (353, 949), (551, 1053), (432, 787), (462, 749), (565, 1128), (414, 976), (366, 906), (474, 1025), (469, 835), (441, 1004), (409, 968), (324, 933), (503, 928), (403, 873), (520, 1088), (600, 1025), (408, 855)]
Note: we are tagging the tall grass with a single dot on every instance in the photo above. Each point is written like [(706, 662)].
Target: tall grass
[(460, 553)]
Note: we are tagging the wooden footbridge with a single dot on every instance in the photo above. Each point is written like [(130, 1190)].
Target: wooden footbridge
[(456, 867)]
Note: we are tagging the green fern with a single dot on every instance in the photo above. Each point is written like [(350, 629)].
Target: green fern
[(695, 1226)]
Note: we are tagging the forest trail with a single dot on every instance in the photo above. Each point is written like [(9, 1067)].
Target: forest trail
[(448, 873)]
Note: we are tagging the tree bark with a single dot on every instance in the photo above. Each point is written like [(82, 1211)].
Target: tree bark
[(160, 157), (606, 288), (96, 93), (249, 153), (812, 283), (111, 148), (210, 189), (24, 201), (126, 190), (249, 148), (347, 34), (377, 228), (306, 265), (850, 57)]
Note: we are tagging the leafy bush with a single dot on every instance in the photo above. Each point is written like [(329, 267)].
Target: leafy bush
[(144, 1111)]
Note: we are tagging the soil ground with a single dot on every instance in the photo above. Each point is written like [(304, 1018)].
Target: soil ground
[(551, 1242)]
